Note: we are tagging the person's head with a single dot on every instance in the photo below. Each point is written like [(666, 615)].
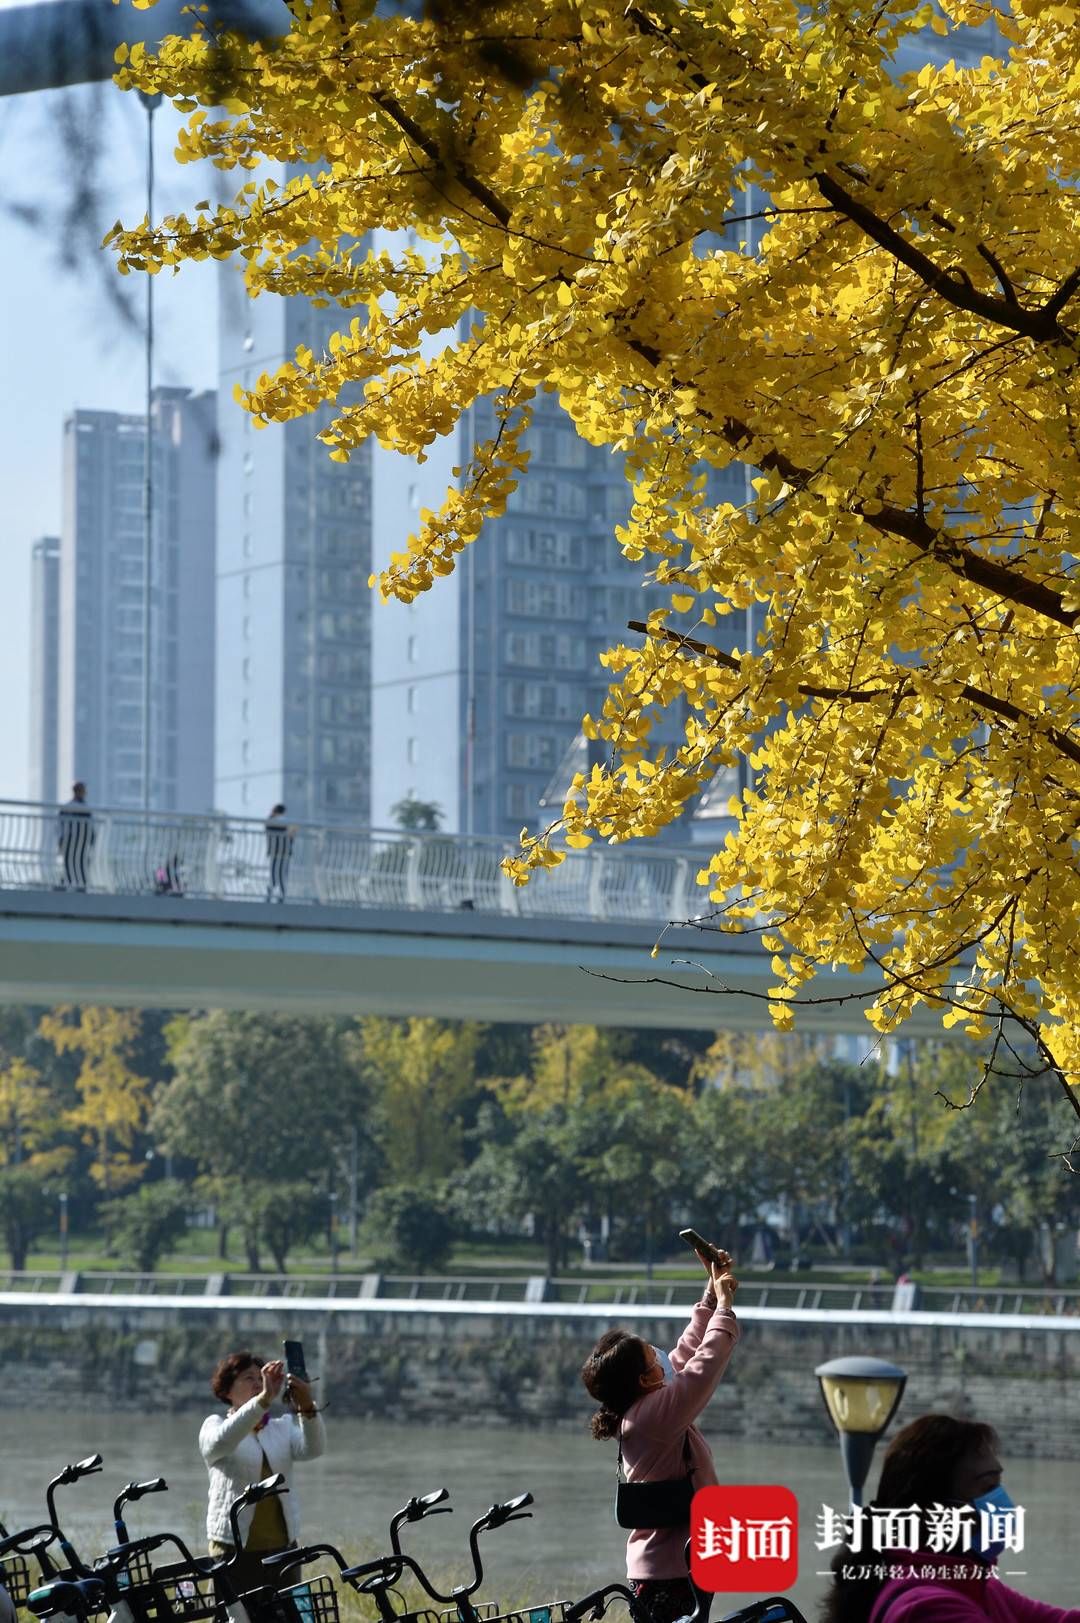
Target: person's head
[(277, 811), (616, 1373), (238, 1378), (78, 790), (937, 1459)]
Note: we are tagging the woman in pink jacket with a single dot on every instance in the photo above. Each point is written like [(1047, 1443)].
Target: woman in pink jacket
[(935, 1465), (649, 1400)]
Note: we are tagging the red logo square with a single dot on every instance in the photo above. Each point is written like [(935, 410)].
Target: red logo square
[(744, 1539)]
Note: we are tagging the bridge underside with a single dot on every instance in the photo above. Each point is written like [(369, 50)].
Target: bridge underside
[(161, 952)]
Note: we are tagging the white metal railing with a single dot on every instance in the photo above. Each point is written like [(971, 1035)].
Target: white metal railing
[(125, 853)]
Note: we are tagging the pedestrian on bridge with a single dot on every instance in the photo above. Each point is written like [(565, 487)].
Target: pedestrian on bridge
[(75, 838), (279, 847), (650, 1400)]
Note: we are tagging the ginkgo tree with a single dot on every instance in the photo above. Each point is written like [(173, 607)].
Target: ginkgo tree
[(895, 356)]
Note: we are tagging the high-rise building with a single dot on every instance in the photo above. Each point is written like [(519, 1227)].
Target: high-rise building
[(44, 651), (107, 652), (293, 603)]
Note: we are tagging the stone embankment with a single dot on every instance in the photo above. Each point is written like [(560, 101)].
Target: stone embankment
[(519, 1362)]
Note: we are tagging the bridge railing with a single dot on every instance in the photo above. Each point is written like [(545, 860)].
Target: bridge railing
[(121, 853)]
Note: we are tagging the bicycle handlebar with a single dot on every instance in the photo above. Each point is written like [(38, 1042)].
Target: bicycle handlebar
[(774, 1609), (251, 1496), (128, 1495), (511, 1510), (596, 1604), (297, 1558), (416, 1510), (15, 1541)]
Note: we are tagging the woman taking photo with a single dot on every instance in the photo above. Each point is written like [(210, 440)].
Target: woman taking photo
[(247, 1445), (649, 1401)]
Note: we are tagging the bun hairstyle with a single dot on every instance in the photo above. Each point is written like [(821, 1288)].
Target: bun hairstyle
[(612, 1375)]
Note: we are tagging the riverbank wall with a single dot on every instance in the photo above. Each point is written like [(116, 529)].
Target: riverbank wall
[(520, 1363)]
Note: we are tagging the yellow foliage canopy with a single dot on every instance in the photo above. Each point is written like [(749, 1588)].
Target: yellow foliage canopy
[(897, 359)]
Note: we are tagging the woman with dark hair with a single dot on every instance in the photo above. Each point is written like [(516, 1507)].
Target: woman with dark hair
[(649, 1400), (934, 1465), (246, 1445)]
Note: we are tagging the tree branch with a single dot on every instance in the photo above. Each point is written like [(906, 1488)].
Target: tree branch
[(982, 700)]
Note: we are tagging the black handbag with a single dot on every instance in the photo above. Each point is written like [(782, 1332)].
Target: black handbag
[(654, 1504)]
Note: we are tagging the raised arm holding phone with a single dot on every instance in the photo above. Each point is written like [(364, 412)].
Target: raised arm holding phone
[(650, 1401), (247, 1444)]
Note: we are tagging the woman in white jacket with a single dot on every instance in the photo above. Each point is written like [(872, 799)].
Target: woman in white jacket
[(245, 1445)]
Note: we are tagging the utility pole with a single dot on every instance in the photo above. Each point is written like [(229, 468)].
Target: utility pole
[(150, 103)]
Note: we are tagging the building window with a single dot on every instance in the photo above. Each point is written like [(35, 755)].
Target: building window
[(245, 711), (412, 752), (411, 701), (516, 800), (412, 650), (249, 340), (247, 546), (244, 792), (249, 463), (245, 751), (246, 670), (247, 628), (247, 503), (247, 585)]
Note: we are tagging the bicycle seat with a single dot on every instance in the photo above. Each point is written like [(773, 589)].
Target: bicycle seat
[(78, 1597)]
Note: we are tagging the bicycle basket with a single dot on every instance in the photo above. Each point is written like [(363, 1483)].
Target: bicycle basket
[(485, 1609), (15, 1576), (191, 1597), (313, 1601), (135, 1571)]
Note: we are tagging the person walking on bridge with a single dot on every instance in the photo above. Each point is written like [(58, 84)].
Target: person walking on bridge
[(75, 838), (279, 847)]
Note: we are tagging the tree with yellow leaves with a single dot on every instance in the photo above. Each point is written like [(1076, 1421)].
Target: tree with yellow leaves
[(896, 358), (114, 1100)]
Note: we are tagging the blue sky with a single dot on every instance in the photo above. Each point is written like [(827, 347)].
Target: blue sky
[(63, 341)]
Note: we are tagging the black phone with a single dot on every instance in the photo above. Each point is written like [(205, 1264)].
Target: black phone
[(294, 1360), (705, 1250)]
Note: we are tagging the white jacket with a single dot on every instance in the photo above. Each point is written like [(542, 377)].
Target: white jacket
[(233, 1454)]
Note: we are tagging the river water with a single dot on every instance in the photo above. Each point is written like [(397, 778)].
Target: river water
[(570, 1545)]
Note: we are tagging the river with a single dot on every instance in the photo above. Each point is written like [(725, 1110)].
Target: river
[(570, 1545)]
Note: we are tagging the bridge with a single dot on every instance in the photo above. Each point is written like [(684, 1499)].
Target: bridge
[(163, 910)]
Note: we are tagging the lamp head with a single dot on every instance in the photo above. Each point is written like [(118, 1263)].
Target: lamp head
[(861, 1394)]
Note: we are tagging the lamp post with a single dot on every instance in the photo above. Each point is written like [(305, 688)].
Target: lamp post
[(333, 1233), (973, 1238), (63, 1231), (861, 1396)]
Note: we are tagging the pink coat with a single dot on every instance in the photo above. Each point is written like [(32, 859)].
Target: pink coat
[(972, 1600), (654, 1427)]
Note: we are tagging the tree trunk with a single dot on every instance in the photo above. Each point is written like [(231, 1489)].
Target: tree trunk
[(279, 1253), (251, 1246), (223, 1242), (18, 1246)]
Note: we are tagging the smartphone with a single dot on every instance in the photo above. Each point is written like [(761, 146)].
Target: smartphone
[(294, 1360), (706, 1251)]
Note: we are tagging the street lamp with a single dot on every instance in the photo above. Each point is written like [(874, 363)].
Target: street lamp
[(333, 1233), (63, 1231), (861, 1396)]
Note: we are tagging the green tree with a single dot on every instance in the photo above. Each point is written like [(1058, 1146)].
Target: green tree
[(144, 1226), (25, 1210), (411, 813), (409, 1227), (260, 1100)]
